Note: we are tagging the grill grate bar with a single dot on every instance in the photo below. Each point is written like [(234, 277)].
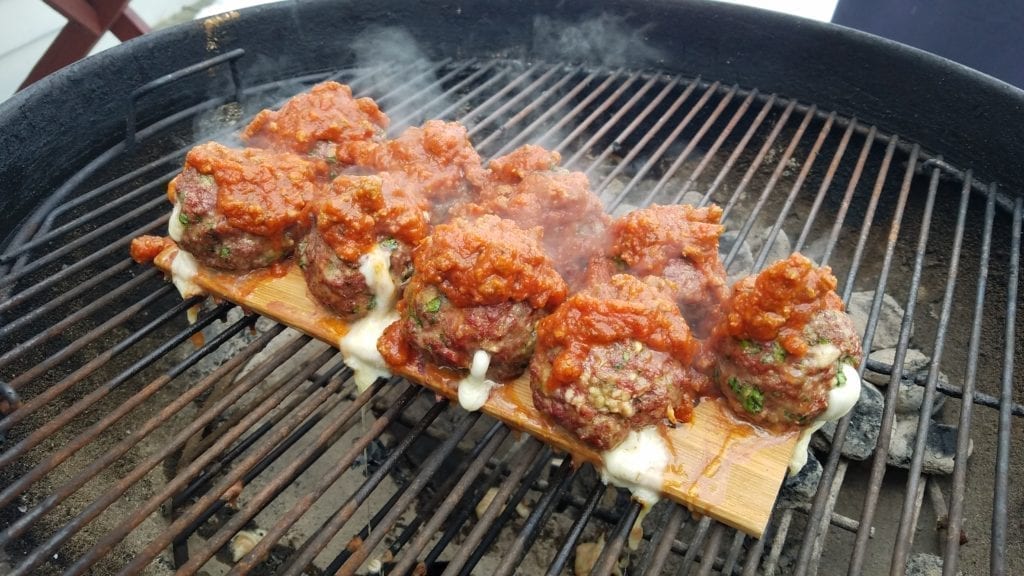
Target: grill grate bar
[(691, 145), (417, 97), (586, 512), (197, 464), (740, 113), (650, 134), (666, 142), (51, 392), (557, 485), (315, 544), (469, 96), (826, 183), (320, 397), (613, 547), (729, 566), (409, 492), (694, 545), (798, 185), (539, 464), (475, 127), (951, 390), (661, 547), (905, 536), (69, 413), (711, 549), (62, 300), (745, 228), (301, 462), (616, 144), (851, 188), (457, 493), (549, 134), (778, 542), (741, 146), (76, 225), (1002, 470), (878, 464), (595, 114), (60, 327), (525, 111), (615, 118), (112, 454), (529, 456), (81, 264)]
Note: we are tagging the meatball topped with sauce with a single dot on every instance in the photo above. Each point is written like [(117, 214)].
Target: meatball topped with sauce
[(242, 209), (357, 216), (782, 342), (616, 357), (437, 159), (527, 186), (680, 243), (325, 122), (478, 285)]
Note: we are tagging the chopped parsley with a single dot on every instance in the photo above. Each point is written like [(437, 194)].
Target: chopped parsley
[(372, 304), (840, 376), (749, 396), (224, 252), (389, 244), (433, 306), (183, 218), (778, 352), (749, 346)]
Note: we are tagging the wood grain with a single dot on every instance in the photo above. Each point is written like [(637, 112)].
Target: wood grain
[(720, 466)]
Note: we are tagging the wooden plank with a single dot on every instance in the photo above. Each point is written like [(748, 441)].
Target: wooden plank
[(720, 466)]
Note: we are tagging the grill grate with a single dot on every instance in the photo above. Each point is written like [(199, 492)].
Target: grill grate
[(127, 446)]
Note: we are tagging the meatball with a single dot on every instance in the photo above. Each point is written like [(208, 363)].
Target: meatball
[(782, 342), (615, 357), (358, 214), (478, 285), (242, 209), (527, 186), (437, 160), (326, 122), (679, 243)]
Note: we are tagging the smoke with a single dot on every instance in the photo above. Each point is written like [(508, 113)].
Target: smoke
[(406, 87), (605, 40)]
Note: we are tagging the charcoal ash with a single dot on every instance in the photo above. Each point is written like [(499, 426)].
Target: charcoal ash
[(924, 564), (890, 319), (910, 396), (939, 449)]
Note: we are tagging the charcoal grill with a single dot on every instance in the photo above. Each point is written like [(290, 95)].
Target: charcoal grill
[(134, 441)]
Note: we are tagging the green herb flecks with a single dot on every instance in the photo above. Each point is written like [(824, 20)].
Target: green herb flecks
[(749, 346), (840, 376), (749, 396), (207, 179), (224, 252), (389, 244), (778, 352), (183, 218), (372, 304), (433, 306)]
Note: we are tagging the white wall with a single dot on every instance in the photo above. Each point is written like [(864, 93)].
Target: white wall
[(27, 27)]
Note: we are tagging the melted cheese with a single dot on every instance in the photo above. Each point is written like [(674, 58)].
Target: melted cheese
[(475, 388), (841, 399), (174, 227), (638, 464), (183, 273), (359, 345)]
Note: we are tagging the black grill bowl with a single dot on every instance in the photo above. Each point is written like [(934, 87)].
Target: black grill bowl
[(899, 169)]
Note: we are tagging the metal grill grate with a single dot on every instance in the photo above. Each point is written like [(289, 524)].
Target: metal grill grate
[(126, 446)]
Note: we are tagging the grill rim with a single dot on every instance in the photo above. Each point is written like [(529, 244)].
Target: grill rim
[(908, 91)]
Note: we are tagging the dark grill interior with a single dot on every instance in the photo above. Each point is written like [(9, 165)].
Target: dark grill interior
[(129, 442)]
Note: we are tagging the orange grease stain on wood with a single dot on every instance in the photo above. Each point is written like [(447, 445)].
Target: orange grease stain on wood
[(719, 465)]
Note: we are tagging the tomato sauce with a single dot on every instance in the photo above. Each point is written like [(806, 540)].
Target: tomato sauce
[(326, 113), (259, 192), (358, 210), (625, 308), (779, 302), (489, 261), (145, 249)]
